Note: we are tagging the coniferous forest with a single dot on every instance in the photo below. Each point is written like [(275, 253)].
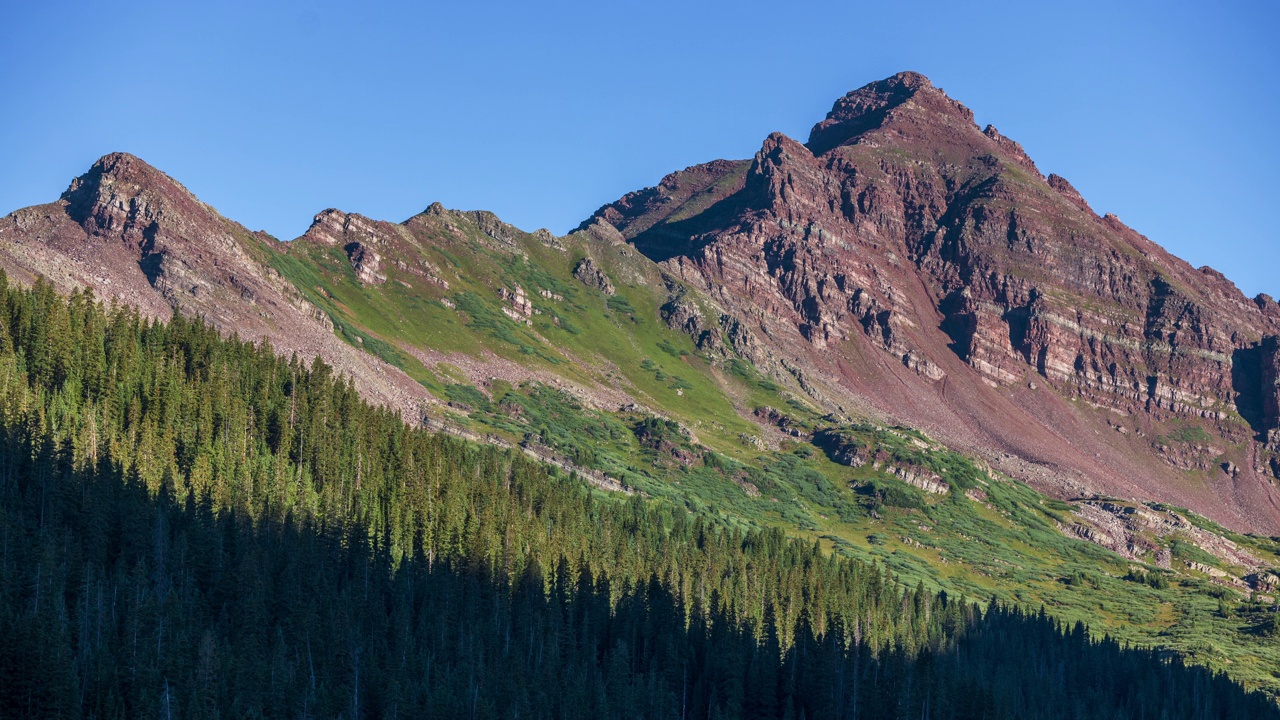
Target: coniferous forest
[(193, 527)]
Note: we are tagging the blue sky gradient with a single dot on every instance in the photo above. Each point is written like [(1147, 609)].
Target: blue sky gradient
[(1163, 113)]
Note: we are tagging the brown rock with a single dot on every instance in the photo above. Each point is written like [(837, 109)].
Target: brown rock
[(590, 274)]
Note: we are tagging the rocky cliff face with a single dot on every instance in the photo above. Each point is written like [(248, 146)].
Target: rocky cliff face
[(910, 261), (1269, 390)]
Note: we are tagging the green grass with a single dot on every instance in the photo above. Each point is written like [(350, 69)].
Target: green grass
[(1006, 547), (1185, 434)]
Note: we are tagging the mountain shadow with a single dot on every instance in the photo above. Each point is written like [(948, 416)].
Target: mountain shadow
[(1246, 382)]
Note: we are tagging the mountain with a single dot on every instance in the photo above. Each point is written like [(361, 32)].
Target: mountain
[(906, 263), (898, 342), (133, 234)]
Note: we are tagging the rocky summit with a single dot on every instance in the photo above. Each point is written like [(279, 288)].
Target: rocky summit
[(906, 263)]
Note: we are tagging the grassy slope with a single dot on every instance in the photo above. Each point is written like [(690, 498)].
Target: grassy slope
[(1006, 545)]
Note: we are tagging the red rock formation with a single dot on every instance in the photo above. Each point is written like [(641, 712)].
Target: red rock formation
[(904, 228)]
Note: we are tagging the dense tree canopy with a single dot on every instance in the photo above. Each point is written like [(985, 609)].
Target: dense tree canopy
[(191, 526)]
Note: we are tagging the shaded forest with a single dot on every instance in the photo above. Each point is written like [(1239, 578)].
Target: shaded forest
[(192, 527)]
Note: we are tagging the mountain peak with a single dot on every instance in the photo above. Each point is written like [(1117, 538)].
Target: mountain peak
[(908, 78), (114, 168), (871, 105), (123, 161), (119, 181)]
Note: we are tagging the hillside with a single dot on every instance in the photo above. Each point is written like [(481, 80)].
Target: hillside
[(133, 234), (194, 527)]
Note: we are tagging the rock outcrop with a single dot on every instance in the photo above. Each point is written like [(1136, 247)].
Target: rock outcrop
[(516, 305), (1270, 389), (589, 273)]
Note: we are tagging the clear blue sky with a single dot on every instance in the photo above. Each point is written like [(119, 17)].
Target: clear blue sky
[(1165, 113)]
